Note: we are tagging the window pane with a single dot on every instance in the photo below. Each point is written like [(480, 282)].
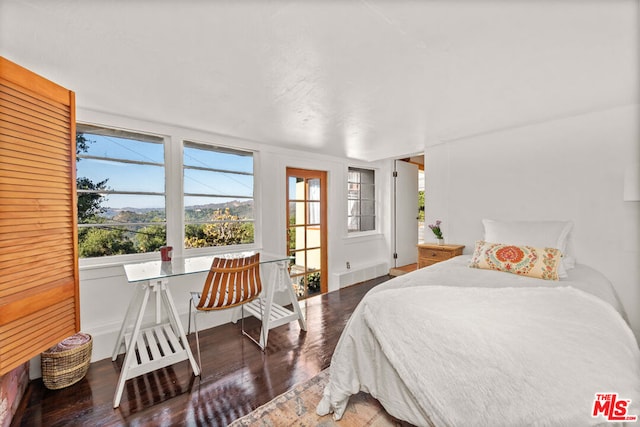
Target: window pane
[(354, 191), (367, 192), (96, 241), (354, 207), (202, 155), (114, 147), (367, 208), (123, 176), (110, 165), (367, 223), (218, 196), (127, 208), (361, 196), (218, 234), (205, 209), (217, 183), (366, 176)]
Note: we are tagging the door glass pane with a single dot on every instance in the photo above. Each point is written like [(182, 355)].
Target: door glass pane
[(296, 213), (314, 189), (313, 237), (313, 259), (314, 212), (299, 239), (313, 283), (299, 263), (305, 241), (299, 285), (296, 188), (291, 237)]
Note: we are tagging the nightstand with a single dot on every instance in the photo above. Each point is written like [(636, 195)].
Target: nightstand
[(429, 254)]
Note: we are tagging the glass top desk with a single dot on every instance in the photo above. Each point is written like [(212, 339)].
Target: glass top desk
[(164, 344)]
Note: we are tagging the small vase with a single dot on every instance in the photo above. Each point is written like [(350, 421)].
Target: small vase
[(441, 241)]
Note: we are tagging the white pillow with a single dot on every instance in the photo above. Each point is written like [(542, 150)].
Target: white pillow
[(545, 234)]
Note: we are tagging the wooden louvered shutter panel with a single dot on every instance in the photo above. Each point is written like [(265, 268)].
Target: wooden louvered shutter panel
[(38, 227)]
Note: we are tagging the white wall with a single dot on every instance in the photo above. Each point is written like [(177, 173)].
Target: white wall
[(105, 293), (566, 169)]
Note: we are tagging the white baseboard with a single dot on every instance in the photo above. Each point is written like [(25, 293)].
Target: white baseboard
[(360, 274)]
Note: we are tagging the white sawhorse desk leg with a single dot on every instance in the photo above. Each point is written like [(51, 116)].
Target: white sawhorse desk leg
[(284, 275), (166, 343), (274, 315)]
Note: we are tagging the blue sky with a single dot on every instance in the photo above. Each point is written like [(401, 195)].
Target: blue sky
[(150, 178)]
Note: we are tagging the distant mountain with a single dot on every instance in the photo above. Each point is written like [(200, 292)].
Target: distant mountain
[(242, 209), (215, 206), (113, 212)]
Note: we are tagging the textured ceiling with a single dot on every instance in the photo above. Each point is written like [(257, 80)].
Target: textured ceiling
[(363, 79)]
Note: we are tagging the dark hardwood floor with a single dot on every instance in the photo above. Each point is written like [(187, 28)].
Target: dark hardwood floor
[(237, 377)]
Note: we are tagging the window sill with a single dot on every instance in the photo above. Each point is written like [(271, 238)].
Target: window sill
[(216, 250), (86, 264), (115, 260), (363, 236)]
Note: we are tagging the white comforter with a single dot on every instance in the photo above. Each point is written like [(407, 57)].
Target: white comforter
[(450, 345)]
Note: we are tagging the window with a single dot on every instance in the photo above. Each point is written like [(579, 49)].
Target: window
[(121, 192), (361, 200), (218, 196)]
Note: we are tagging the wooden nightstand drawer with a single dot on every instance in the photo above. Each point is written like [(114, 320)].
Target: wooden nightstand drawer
[(429, 254), (436, 255)]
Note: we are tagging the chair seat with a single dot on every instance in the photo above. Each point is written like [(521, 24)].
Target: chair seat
[(231, 283), (196, 296)]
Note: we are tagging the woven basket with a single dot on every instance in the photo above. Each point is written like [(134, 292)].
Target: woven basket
[(67, 363)]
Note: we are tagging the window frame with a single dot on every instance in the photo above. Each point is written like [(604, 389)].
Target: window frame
[(143, 136), (199, 144), (174, 192), (376, 216)]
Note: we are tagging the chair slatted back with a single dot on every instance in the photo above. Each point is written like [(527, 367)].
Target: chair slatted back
[(231, 282)]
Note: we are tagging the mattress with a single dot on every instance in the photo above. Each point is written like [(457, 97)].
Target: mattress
[(370, 355)]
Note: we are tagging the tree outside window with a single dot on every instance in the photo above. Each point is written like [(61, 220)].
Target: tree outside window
[(120, 186)]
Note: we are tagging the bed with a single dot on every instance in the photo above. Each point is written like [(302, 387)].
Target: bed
[(450, 345)]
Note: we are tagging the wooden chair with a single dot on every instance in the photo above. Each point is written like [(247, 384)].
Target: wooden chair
[(231, 282)]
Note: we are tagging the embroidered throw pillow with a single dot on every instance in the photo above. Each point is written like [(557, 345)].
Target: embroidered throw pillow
[(540, 234), (541, 263)]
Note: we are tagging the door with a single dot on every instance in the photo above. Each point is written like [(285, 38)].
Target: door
[(406, 213), (38, 224), (307, 230)]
